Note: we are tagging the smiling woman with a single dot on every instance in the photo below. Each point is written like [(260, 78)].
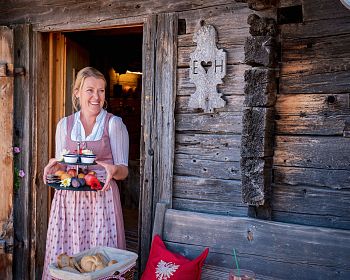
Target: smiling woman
[(80, 220)]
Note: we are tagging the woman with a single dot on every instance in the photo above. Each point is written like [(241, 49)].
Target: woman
[(81, 220)]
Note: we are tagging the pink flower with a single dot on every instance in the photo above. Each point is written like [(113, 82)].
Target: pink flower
[(16, 150), (21, 173)]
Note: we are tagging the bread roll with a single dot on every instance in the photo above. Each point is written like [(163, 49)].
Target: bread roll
[(103, 258), (76, 265), (63, 260), (91, 263)]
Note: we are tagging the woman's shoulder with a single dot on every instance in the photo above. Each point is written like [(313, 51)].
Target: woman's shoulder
[(116, 122), (62, 123), (115, 119)]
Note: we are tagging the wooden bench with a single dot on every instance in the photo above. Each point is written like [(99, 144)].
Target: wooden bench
[(277, 250), (211, 272)]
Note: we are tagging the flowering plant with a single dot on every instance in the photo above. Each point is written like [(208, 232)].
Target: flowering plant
[(18, 173)]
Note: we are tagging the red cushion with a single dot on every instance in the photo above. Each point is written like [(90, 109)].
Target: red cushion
[(165, 265)]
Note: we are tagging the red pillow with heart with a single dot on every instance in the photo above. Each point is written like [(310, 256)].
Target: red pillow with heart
[(165, 265)]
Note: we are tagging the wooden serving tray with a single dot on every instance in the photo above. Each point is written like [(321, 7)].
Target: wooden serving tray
[(80, 189)]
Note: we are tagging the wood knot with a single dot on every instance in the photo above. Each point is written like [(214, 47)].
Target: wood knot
[(250, 236), (331, 99)]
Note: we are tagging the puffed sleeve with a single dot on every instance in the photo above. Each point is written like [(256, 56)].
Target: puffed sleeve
[(119, 140), (60, 139)]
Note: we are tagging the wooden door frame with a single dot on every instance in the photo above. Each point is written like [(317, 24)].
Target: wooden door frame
[(158, 99), (6, 149)]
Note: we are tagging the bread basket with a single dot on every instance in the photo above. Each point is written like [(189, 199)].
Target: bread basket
[(123, 269)]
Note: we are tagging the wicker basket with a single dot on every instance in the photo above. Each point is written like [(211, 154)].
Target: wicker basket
[(124, 269), (127, 275)]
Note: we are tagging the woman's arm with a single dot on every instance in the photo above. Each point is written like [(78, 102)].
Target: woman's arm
[(119, 141), (53, 164), (117, 172)]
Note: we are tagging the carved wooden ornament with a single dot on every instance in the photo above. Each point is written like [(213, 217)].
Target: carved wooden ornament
[(207, 69)]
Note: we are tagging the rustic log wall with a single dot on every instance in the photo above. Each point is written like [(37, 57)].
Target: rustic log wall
[(311, 155), (311, 162), (207, 173)]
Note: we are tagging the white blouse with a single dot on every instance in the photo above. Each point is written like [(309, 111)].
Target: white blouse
[(118, 135)]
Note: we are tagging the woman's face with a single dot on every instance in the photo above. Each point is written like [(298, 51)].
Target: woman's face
[(92, 96)]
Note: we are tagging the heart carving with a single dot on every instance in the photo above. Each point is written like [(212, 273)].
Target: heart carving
[(206, 65)]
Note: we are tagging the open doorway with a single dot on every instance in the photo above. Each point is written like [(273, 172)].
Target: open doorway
[(117, 53)]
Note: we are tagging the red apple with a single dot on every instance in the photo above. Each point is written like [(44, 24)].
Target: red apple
[(89, 178), (93, 182), (72, 172)]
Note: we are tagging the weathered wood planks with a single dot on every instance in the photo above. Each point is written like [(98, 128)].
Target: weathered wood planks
[(223, 208), (320, 206), (23, 100), (208, 189), (295, 176), (165, 95), (209, 146), (269, 248), (324, 9), (311, 172), (316, 28), (40, 153), (312, 114), (65, 15), (193, 165), (317, 152), (230, 20), (215, 196), (146, 145), (219, 122), (6, 147), (207, 150)]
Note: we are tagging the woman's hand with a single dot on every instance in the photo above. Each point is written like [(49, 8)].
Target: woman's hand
[(117, 172), (51, 168)]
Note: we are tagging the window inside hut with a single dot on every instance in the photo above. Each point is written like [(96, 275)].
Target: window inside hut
[(117, 53)]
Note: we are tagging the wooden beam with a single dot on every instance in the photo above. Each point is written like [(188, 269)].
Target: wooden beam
[(69, 15), (279, 250), (165, 94), (146, 146), (159, 219), (6, 148), (40, 150), (23, 124)]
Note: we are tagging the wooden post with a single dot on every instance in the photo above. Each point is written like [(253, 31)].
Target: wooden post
[(258, 116), (6, 151)]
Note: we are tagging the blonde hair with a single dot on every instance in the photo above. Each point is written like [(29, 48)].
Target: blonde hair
[(79, 82)]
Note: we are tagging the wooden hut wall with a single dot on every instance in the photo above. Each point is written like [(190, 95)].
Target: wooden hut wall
[(311, 158), (207, 149), (311, 162)]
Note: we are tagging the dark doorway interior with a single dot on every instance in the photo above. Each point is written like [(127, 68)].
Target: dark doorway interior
[(117, 53)]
